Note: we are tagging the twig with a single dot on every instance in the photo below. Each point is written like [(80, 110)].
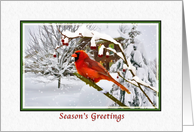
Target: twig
[(146, 96), (140, 89), (137, 83), (100, 89), (59, 47), (61, 32), (150, 88)]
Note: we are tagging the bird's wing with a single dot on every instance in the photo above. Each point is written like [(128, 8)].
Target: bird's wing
[(96, 66)]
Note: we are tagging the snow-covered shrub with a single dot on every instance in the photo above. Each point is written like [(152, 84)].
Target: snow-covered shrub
[(49, 53), (145, 71)]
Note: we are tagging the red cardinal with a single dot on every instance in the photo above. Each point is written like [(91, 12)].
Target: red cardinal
[(92, 69)]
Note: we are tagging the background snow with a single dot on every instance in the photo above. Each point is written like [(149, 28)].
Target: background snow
[(47, 94), (74, 93)]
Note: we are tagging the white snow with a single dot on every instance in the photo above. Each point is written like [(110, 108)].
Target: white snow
[(131, 67), (66, 40), (128, 51), (48, 94), (70, 34), (113, 68), (93, 43), (84, 31), (107, 37), (73, 92), (138, 57), (138, 80), (101, 50), (91, 97), (107, 53), (133, 82), (118, 53), (126, 36)]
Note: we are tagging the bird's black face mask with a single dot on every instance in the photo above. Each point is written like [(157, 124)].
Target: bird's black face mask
[(76, 58)]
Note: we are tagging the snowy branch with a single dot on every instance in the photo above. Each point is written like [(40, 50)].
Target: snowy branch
[(139, 81), (135, 81), (146, 96), (138, 85)]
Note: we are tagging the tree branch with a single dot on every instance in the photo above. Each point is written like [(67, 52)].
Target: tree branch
[(90, 83), (146, 96), (140, 89), (137, 83)]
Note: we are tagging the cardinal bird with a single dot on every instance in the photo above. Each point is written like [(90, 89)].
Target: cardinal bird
[(92, 69)]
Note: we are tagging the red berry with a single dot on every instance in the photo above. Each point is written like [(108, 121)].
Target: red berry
[(66, 44), (93, 47), (54, 55), (124, 70), (107, 56), (62, 40), (100, 55), (117, 76)]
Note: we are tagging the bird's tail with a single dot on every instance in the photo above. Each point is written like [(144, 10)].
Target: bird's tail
[(120, 85)]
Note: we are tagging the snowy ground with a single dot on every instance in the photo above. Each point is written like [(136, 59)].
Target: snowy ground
[(73, 93)]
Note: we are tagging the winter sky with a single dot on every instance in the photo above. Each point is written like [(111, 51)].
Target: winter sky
[(148, 36)]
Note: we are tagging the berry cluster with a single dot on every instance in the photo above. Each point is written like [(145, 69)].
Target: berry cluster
[(65, 41)]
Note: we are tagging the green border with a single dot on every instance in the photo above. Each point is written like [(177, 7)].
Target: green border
[(21, 66), (88, 109)]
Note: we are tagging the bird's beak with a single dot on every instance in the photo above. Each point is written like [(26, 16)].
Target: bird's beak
[(74, 55)]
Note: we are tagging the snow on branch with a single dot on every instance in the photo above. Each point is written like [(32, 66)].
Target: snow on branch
[(101, 50), (107, 38), (131, 68), (123, 35), (137, 80), (138, 85), (118, 53), (83, 31), (69, 34)]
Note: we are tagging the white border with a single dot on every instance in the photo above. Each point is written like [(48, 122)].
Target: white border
[(169, 12)]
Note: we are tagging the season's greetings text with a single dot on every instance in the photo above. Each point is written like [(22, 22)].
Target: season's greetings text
[(93, 116)]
